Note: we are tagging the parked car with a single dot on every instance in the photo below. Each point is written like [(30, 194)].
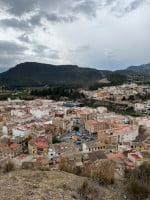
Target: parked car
[(78, 142)]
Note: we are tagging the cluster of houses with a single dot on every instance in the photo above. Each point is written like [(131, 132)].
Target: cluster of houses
[(122, 92), (142, 107), (28, 129), (125, 92)]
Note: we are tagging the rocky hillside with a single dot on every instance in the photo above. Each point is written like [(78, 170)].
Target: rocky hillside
[(54, 185)]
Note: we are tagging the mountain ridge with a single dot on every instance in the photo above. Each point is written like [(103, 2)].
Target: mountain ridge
[(39, 74), (31, 73), (145, 68)]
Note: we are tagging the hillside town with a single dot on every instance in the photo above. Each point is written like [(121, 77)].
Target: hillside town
[(42, 132), (133, 95)]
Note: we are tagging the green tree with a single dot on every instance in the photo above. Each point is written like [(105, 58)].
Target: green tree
[(55, 140), (76, 128)]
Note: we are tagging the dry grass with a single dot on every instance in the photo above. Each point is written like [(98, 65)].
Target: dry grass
[(8, 166), (66, 165), (138, 190), (138, 181), (87, 191), (101, 171), (54, 185)]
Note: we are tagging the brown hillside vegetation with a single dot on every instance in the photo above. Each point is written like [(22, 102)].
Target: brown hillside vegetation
[(54, 185)]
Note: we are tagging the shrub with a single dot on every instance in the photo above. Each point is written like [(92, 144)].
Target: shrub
[(86, 172), (55, 140), (138, 189), (76, 128), (87, 191), (8, 166), (66, 165), (138, 181), (103, 172), (143, 172), (127, 173)]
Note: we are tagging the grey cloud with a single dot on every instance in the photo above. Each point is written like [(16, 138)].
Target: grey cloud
[(15, 23), (39, 49), (71, 7), (42, 50), (11, 47), (87, 7), (55, 18), (5, 62), (53, 54), (110, 53), (129, 34), (19, 7), (10, 52), (21, 24), (84, 48), (55, 10), (24, 38), (108, 2), (120, 8), (51, 7), (45, 29), (36, 19), (133, 5), (80, 49)]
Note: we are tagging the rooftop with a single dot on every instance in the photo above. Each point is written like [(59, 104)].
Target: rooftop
[(96, 155), (41, 142), (114, 155), (136, 156)]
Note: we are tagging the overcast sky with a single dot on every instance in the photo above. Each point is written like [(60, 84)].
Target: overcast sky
[(104, 34)]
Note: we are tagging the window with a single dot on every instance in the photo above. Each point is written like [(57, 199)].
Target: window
[(39, 151)]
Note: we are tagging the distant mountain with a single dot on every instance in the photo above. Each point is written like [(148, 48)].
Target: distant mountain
[(38, 74), (145, 69), (136, 73)]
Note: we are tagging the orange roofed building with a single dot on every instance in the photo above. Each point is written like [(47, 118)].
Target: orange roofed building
[(39, 146), (118, 134)]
